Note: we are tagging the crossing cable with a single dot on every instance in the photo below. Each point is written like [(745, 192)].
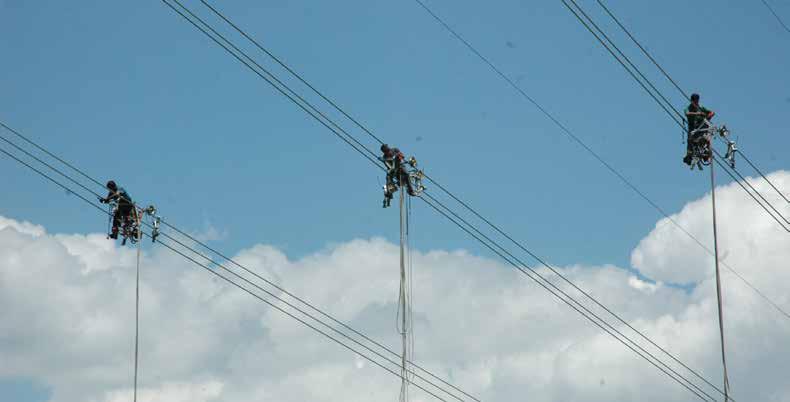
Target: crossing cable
[(778, 18), (559, 293), (682, 92), (205, 32), (578, 140), (223, 256), (207, 267)]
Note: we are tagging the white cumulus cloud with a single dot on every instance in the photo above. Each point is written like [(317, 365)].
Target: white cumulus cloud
[(67, 319)]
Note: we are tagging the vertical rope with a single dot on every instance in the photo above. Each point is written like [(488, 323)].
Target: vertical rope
[(402, 302), (718, 281), (410, 280), (109, 220), (137, 303)]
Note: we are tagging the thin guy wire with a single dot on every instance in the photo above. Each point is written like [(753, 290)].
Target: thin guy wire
[(575, 138), (778, 18), (517, 266), (234, 283)]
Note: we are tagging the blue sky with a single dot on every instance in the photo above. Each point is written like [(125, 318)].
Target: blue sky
[(132, 92)]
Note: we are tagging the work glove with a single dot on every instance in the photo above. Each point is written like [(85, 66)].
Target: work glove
[(102, 200)]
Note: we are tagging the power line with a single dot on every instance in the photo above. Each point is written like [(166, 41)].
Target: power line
[(42, 149), (250, 272), (192, 238), (39, 160), (764, 177), (217, 264), (578, 140), (631, 73), (529, 272), (643, 86), (682, 92), (582, 291), (718, 283), (627, 60), (207, 34), (644, 51), (165, 235), (717, 158), (269, 78), (290, 70), (303, 322)]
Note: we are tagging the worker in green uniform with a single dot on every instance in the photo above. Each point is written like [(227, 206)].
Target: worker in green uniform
[(695, 116)]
